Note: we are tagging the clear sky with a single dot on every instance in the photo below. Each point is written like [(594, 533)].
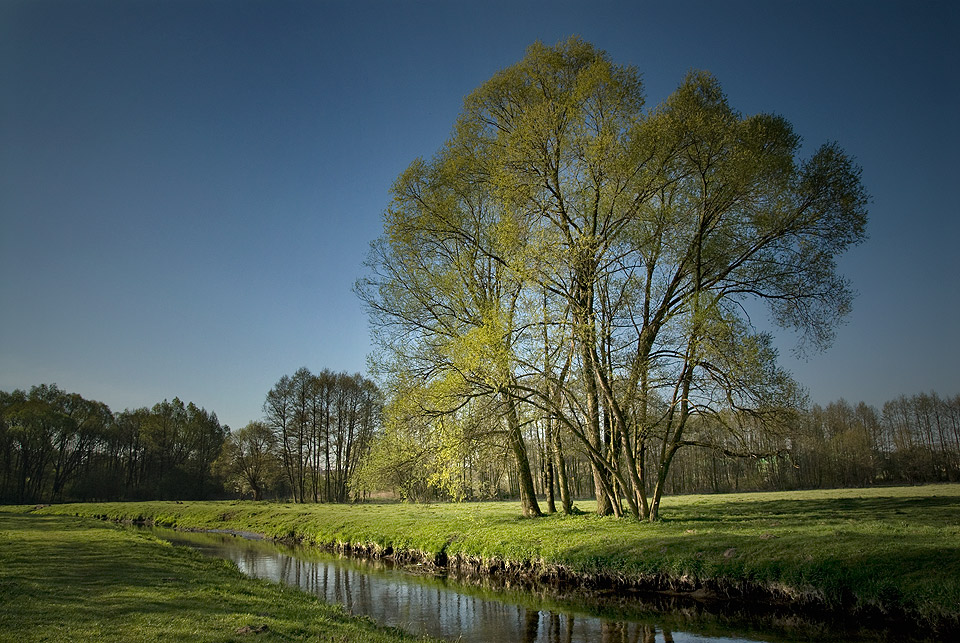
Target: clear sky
[(188, 189)]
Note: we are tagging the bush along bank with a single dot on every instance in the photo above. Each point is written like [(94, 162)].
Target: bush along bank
[(879, 554)]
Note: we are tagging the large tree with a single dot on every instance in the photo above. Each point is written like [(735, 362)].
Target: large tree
[(632, 240)]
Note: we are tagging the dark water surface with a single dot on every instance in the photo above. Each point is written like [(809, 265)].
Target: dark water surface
[(482, 611)]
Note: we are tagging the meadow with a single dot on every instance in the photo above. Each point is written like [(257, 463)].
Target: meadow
[(74, 579), (881, 552)]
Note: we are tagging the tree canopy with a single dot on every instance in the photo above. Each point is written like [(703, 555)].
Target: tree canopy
[(582, 261)]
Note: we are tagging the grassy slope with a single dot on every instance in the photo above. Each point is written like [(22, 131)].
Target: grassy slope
[(891, 548), (70, 579)]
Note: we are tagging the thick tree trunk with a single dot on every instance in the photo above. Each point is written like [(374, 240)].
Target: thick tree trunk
[(585, 334), (601, 481), (654, 513), (528, 495), (602, 488)]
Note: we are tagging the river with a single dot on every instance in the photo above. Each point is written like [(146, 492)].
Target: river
[(481, 611)]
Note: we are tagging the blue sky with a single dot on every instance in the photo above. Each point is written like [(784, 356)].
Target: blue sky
[(188, 189)]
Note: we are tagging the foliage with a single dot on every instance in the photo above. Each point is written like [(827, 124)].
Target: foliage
[(248, 461), (585, 264), (56, 445), (323, 425), (424, 456)]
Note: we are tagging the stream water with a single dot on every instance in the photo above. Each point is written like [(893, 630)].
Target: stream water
[(482, 611)]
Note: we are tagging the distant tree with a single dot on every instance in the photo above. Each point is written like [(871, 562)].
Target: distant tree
[(6, 447), (130, 449), (402, 458), (84, 427), (923, 437), (180, 442), (426, 456), (357, 410), (249, 461), (31, 427), (323, 425), (57, 446), (53, 434), (278, 413)]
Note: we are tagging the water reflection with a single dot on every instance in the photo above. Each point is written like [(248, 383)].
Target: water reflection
[(425, 603), (431, 608)]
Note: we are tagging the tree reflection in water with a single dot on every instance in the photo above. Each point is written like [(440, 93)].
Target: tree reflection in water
[(424, 603)]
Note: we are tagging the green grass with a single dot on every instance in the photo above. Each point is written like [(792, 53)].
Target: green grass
[(894, 550), (71, 579)]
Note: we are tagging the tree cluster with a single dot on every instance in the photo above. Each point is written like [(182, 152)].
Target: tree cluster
[(911, 440), (572, 264), (317, 428), (57, 446)]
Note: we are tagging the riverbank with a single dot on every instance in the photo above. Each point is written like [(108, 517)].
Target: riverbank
[(874, 554), (69, 579)]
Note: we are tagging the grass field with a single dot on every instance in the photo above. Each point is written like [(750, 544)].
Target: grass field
[(893, 550), (71, 579)]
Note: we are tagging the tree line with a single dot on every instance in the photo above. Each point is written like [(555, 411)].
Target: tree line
[(57, 446), (326, 438), (909, 440)]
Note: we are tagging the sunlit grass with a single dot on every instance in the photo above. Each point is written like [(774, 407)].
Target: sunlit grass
[(71, 579), (889, 548)]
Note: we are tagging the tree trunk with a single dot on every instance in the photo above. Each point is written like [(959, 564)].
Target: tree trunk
[(602, 488), (528, 496), (601, 482), (662, 470), (563, 480), (642, 480), (548, 456)]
